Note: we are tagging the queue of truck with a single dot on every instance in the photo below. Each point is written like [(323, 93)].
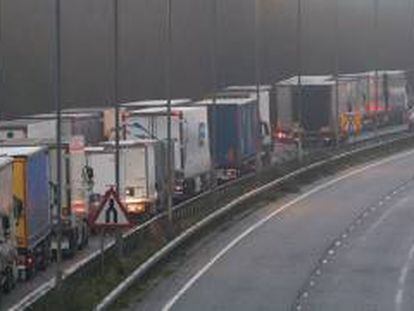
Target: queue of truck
[(213, 140)]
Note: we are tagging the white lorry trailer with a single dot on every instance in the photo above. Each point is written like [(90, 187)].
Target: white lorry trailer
[(142, 174), (154, 103), (43, 126), (189, 125)]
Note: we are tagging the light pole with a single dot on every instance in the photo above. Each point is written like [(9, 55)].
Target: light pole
[(115, 94), (376, 60), (299, 73), (215, 81), (336, 70), (58, 106), (411, 32), (2, 65), (168, 72), (257, 73)]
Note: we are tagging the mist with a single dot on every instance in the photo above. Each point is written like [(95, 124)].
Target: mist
[(27, 46)]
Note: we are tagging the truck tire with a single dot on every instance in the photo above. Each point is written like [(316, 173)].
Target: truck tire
[(9, 281), (189, 186)]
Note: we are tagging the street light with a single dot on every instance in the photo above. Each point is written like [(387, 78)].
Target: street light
[(2, 88), (336, 69), (58, 106), (376, 60), (299, 73), (257, 73), (215, 80), (115, 94), (168, 73)]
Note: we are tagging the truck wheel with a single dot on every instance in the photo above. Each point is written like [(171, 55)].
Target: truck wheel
[(189, 187), (28, 273), (85, 235), (8, 282)]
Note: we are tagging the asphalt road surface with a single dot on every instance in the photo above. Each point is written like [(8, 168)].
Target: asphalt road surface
[(343, 243)]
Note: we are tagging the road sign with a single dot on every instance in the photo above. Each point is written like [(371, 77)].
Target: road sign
[(111, 212)]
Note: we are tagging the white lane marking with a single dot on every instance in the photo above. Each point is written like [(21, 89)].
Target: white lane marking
[(402, 280), (383, 217), (170, 303)]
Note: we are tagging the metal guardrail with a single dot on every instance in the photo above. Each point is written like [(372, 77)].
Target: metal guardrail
[(190, 216), (220, 212)]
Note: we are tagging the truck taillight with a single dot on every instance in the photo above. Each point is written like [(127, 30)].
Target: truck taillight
[(78, 207), (136, 208), (231, 173), (281, 135)]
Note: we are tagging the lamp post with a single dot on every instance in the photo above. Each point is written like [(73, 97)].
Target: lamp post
[(215, 81), (257, 73), (2, 88), (299, 74), (115, 102), (336, 70), (58, 106), (168, 73), (376, 60)]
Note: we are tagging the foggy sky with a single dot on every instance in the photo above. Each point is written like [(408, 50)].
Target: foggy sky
[(27, 32)]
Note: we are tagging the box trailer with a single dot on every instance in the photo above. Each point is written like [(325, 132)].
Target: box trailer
[(43, 126), (32, 206), (74, 208), (88, 124), (309, 108), (8, 250), (384, 96), (142, 174), (266, 110), (234, 125), (190, 136), (14, 129), (107, 115), (154, 103)]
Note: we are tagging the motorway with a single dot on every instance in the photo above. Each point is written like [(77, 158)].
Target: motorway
[(343, 243)]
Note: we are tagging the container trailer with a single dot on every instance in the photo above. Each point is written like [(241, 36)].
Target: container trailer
[(8, 253), (234, 124), (190, 135), (32, 207), (142, 174)]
